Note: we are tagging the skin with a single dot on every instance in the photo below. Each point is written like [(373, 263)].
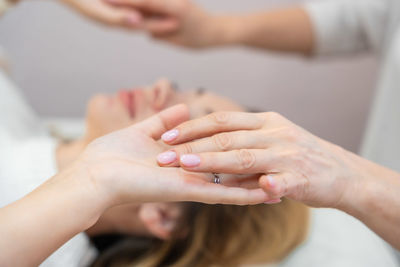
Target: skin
[(116, 169), (292, 163), (89, 180), (106, 14), (183, 23), (107, 113)]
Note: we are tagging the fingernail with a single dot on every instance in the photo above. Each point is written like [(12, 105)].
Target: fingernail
[(190, 160), (271, 181), (132, 19), (170, 135), (273, 201), (166, 157)]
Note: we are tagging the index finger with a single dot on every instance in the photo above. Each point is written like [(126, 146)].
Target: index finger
[(220, 194), (154, 6), (212, 124), (161, 122), (230, 195)]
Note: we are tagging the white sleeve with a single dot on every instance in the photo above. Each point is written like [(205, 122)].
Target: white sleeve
[(24, 165), (77, 252), (338, 240), (348, 26)]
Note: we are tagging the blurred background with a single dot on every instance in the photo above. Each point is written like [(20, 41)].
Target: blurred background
[(60, 59)]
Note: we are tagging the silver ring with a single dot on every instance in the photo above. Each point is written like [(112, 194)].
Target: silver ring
[(217, 179)]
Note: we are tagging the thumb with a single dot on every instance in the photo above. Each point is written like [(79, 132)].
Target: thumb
[(167, 119), (284, 184), (107, 13)]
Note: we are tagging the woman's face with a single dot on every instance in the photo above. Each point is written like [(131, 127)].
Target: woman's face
[(107, 113)]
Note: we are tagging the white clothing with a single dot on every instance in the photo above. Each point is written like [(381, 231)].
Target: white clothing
[(339, 240), (351, 26), (344, 27), (27, 159)]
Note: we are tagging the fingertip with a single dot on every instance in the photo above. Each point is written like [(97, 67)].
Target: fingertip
[(166, 158), (273, 201), (181, 109), (189, 160), (263, 182), (169, 136), (268, 184), (174, 116)]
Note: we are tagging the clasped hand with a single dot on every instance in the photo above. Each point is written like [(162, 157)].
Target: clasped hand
[(291, 161), (121, 168)]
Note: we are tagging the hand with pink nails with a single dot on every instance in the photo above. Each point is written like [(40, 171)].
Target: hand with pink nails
[(292, 163), (123, 165), (107, 12)]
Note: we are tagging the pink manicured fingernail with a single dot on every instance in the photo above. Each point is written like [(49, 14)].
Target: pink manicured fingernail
[(190, 160), (273, 201), (271, 181), (170, 135), (166, 157)]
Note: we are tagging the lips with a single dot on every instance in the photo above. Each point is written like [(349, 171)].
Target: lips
[(128, 100)]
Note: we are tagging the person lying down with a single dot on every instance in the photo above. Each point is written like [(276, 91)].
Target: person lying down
[(193, 234)]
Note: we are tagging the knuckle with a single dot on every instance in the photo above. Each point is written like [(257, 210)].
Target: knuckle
[(285, 188), (246, 159), (186, 148), (272, 115), (304, 186), (290, 134), (222, 141), (220, 118)]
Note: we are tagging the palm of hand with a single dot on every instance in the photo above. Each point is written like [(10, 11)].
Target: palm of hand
[(127, 158)]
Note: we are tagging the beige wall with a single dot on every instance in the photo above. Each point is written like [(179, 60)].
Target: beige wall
[(60, 60)]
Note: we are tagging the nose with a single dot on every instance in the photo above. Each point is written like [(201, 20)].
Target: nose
[(162, 92)]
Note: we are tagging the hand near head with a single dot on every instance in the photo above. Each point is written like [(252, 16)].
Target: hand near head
[(293, 162), (106, 13), (179, 22), (123, 168)]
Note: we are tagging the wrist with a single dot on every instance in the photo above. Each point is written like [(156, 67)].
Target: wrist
[(90, 199), (227, 30), (366, 188)]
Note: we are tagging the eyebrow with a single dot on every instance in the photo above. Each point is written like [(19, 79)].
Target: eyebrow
[(200, 91), (209, 111), (175, 86)]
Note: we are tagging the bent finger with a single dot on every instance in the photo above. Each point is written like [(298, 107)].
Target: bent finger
[(161, 122), (111, 15), (243, 161), (220, 194), (160, 26), (284, 184), (212, 124), (154, 6)]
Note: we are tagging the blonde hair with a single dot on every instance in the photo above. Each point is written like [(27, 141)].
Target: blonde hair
[(224, 235)]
